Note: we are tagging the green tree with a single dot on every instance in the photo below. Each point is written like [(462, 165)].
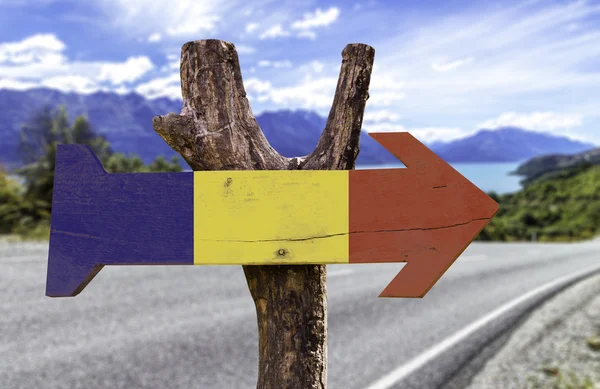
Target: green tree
[(564, 207), (18, 215), (39, 138), (120, 163), (11, 202), (160, 164), (37, 148)]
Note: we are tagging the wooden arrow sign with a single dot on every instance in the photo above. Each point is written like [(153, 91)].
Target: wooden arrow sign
[(425, 215)]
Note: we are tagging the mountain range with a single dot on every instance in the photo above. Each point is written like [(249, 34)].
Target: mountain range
[(506, 144), (126, 120)]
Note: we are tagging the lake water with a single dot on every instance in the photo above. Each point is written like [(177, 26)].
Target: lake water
[(486, 176)]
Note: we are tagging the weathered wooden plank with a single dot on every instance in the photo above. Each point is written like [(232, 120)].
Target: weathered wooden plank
[(274, 217), (114, 219), (426, 215)]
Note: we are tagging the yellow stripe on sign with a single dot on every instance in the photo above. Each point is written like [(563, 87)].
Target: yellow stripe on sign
[(270, 217)]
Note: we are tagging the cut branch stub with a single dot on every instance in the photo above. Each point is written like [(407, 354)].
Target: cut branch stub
[(216, 130), (338, 146)]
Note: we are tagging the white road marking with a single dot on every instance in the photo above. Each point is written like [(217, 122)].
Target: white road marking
[(341, 272), (414, 364)]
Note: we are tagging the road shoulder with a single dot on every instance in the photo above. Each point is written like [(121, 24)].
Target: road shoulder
[(549, 345)]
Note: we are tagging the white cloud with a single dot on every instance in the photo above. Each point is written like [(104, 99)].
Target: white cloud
[(156, 37), (38, 61), (424, 134), (318, 18), (383, 127), (310, 94), (169, 86), (317, 66), (545, 121), (276, 64), (178, 18), (194, 27), (275, 31), (524, 59), (380, 116), (7, 83), (130, 70), (317, 89), (317, 93), (307, 34), (385, 98), (37, 48), (444, 66), (434, 134), (243, 49), (251, 27), (385, 88), (122, 90), (71, 83), (254, 85), (313, 66), (174, 63), (572, 27)]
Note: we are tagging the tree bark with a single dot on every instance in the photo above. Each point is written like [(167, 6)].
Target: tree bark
[(216, 130)]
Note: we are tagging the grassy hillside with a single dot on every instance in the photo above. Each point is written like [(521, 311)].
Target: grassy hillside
[(549, 166), (563, 207)]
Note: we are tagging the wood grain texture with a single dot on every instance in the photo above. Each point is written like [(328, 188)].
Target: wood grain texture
[(104, 219), (275, 217), (426, 215)]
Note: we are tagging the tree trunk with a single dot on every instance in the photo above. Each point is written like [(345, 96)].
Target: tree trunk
[(216, 130)]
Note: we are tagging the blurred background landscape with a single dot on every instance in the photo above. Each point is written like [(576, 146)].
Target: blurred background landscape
[(508, 93), (491, 88), (547, 185)]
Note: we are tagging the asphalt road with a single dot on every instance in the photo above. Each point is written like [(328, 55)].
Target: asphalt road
[(195, 327)]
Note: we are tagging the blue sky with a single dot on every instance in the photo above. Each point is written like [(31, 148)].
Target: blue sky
[(443, 69)]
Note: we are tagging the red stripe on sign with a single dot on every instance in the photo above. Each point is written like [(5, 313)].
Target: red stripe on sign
[(426, 215)]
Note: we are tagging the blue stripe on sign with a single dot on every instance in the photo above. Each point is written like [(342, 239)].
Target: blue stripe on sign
[(114, 219)]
